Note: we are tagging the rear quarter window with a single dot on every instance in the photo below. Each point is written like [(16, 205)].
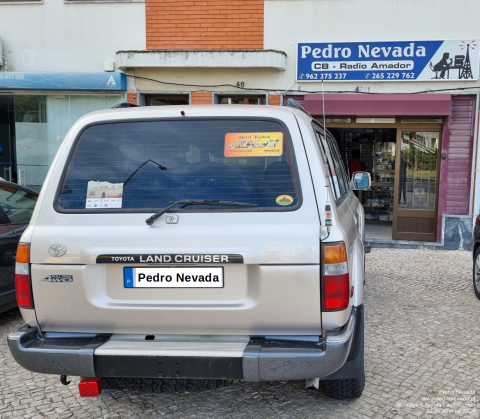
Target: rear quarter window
[(145, 165)]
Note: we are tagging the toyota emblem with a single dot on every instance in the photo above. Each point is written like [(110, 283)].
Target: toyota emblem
[(57, 250)]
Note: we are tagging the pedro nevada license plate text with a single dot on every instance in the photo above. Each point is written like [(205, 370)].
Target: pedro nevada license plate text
[(174, 277)]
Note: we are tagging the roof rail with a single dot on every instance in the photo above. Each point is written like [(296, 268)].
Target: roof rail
[(292, 103), (124, 105)]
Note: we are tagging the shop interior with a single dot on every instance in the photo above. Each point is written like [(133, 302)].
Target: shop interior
[(375, 148), (404, 166)]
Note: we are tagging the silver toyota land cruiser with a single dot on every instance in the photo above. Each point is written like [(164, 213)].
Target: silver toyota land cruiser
[(180, 248)]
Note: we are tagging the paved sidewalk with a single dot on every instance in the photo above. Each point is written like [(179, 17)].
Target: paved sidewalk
[(422, 338)]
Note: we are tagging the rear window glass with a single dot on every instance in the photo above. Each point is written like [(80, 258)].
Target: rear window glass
[(146, 165)]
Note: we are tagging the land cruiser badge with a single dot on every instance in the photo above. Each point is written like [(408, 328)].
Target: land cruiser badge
[(58, 278), (57, 250)]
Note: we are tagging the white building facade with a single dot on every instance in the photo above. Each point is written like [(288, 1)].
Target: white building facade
[(396, 82), (52, 71)]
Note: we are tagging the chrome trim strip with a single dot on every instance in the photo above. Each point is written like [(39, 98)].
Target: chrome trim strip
[(173, 349)]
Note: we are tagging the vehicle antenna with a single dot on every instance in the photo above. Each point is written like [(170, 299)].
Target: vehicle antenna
[(323, 103)]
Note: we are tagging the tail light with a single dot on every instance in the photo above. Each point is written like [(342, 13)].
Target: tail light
[(90, 387), (336, 280), (23, 285)]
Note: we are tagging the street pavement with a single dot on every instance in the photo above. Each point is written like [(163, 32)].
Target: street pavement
[(422, 359)]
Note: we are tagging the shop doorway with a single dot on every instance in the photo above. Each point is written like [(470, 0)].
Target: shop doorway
[(7, 136), (403, 161), (376, 149)]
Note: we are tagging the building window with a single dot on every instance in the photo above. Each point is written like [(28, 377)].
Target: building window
[(165, 100), (41, 122), (241, 100)]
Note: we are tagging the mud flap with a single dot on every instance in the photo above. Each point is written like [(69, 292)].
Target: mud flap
[(354, 367)]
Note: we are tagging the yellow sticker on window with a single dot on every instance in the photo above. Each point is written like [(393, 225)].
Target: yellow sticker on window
[(253, 144), (284, 200)]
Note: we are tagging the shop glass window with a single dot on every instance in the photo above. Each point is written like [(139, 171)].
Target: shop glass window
[(30, 108), (17, 204), (41, 122), (142, 166), (242, 100), (418, 170)]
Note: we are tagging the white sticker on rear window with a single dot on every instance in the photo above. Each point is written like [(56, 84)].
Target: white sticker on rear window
[(104, 194)]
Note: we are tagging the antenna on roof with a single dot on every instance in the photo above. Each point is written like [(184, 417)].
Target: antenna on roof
[(323, 104)]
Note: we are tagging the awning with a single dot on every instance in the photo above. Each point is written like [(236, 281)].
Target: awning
[(379, 104), (101, 81)]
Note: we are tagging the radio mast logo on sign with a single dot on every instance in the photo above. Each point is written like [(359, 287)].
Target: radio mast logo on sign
[(389, 61)]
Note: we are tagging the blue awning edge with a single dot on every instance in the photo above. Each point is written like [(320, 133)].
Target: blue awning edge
[(100, 81)]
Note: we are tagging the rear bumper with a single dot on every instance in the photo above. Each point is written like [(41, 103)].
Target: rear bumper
[(250, 359)]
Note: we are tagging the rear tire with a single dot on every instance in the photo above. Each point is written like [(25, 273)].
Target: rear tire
[(169, 385), (109, 383), (344, 389), (476, 273)]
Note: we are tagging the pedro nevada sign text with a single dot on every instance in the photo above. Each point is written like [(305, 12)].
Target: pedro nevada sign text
[(388, 61)]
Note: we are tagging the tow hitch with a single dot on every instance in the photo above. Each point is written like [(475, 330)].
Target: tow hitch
[(63, 380)]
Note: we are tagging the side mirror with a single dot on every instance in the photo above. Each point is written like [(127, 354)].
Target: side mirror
[(361, 180)]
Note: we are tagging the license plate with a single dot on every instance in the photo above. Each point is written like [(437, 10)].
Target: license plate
[(173, 277)]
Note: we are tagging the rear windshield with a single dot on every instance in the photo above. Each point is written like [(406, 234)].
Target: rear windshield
[(146, 165)]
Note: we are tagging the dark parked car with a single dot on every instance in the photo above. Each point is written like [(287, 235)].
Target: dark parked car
[(16, 207), (476, 257)]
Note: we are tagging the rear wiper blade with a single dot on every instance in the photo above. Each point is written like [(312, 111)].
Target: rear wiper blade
[(161, 167), (186, 202)]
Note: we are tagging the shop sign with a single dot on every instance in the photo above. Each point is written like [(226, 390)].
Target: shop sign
[(388, 61), (63, 81)]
